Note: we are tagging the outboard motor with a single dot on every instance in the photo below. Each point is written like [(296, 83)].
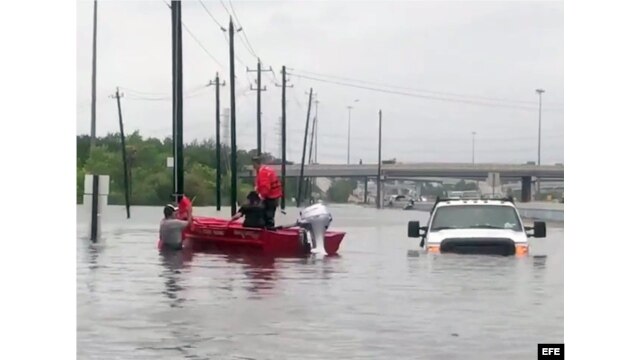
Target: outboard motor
[(316, 220)]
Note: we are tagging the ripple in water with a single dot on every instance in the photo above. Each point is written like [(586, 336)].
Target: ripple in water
[(371, 302)]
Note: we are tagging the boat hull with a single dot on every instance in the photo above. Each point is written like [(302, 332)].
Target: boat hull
[(206, 233)]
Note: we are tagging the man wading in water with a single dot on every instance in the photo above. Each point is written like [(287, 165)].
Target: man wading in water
[(269, 188), (171, 228)]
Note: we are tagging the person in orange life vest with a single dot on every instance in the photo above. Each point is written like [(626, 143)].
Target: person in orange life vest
[(269, 188), (185, 206)]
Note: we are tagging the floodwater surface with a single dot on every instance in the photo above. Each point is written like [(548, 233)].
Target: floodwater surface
[(371, 302)]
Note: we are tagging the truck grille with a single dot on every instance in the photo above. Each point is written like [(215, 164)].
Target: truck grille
[(485, 246)]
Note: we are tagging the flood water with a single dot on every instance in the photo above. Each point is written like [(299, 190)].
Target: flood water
[(372, 302)]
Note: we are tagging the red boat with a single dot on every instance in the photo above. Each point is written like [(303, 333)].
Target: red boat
[(207, 232)]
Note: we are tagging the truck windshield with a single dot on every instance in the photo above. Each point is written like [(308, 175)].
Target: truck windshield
[(475, 217)]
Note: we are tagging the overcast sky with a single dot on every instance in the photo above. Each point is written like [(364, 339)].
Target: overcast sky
[(456, 56)]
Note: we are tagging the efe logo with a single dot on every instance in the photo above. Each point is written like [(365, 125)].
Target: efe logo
[(550, 351)]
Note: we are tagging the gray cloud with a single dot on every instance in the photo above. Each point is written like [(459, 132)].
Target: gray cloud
[(489, 49)]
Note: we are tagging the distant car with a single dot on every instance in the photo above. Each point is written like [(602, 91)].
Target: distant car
[(479, 226), (398, 199)]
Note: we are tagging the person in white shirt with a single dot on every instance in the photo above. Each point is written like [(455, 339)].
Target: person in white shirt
[(171, 228)]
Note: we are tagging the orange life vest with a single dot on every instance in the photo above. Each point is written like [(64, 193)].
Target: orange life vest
[(268, 184)]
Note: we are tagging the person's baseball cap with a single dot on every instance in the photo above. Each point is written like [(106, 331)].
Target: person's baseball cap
[(169, 209)]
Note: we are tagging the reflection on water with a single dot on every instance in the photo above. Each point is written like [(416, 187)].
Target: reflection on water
[(174, 262), (370, 302), (259, 270), (539, 261), (92, 252)]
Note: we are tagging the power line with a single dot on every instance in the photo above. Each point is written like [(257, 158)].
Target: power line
[(235, 55), (225, 7), (202, 46), (417, 95), (141, 92), (161, 99), (470, 97), (415, 89), (163, 94), (339, 136), (198, 41), (273, 75), (420, 147), (248, 47), (244, 43), (211, 15), (244, 32), (190, 94), (221, 28)]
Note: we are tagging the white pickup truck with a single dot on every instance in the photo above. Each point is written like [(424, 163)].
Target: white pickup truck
[(476, 226)]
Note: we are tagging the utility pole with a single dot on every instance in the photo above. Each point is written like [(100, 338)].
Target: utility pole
[(311, 150), (259, 89), (95, 183), (313, 129), (93, 74), (378, 187), (234, 154), (315, 151), (283, 172), (218, 167), (176, 23), (117, 96), (540, 92), (304, 149)]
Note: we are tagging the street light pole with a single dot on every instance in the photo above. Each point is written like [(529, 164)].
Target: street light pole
[(540, 92), (473, 147), (349, 136), (349, 133)]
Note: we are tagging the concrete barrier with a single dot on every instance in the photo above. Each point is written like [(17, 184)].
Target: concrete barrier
[(545, 211), (542, 214)]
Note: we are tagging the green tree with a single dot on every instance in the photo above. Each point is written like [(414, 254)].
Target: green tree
[(465, 186), (200, 182), (340, 190), (151, 181), (79, 184)]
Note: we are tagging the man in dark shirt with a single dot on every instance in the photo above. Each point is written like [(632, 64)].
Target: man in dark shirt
[(253, 212)]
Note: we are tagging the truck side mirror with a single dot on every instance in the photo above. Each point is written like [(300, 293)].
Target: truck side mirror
[(539, 229), (413, 229)]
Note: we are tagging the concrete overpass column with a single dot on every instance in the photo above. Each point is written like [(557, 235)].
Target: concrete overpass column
[(366, 180), (526, 189)]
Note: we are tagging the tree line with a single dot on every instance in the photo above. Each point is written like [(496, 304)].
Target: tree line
[(150, 179)]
